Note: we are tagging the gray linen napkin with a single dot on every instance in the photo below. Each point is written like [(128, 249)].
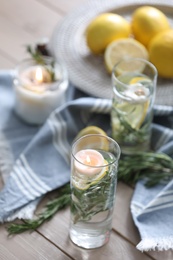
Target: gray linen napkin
[(42, 162), (152, 209), (41, 154)]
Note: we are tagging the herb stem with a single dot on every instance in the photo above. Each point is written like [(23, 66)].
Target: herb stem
[(50, 210), (154, 168)]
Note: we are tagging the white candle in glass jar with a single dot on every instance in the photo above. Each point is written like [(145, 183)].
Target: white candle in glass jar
[(36, 95)]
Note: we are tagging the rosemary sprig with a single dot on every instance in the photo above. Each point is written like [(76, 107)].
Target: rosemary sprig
[(130, 134), (40, 59), (50, 210), (94, 199), (154, 168), (35, 55)]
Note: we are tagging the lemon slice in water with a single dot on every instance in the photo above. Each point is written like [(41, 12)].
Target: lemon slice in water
[(139, 80), (85, 182), (133, 113)]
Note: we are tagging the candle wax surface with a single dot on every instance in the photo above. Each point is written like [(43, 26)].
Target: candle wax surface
[(35, 78), (88, 162)]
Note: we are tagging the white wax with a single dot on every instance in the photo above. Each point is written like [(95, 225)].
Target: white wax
[(35, 78), (35, 102), (88, 162)]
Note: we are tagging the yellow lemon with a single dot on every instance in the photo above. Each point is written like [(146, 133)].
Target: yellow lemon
[(146, 22), (90, 130), (161, 53), (104, 29), (123, 48), (96, 138)]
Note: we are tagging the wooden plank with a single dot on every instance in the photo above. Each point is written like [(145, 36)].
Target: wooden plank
[(122, 220), (57, 230), (165, 255), (1, 182), (27, 246), (23, 27), (37, 19), (6, 63), (64, 6), (14, 40)]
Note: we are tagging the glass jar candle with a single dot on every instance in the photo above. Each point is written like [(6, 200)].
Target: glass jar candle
[(39, 89)]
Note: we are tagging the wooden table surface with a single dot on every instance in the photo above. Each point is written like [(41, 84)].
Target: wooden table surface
[(25, 22)]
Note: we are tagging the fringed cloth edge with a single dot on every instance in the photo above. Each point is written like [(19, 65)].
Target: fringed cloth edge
[(156, 244)]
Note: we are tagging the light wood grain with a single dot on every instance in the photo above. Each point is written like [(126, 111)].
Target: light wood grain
[(30, 22), (65, 6), (122, 221), (31, 16), (28, 246), (57, 230), (117, 247), (6, 62)]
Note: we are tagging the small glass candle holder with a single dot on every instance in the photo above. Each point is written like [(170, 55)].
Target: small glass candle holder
[(134, 87), (39, 89), (94, 163)]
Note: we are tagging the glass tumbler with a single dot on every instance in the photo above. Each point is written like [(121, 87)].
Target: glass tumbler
[(134, 86), (94, 163)]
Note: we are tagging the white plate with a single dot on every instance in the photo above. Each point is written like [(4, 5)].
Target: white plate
[(87, 71)]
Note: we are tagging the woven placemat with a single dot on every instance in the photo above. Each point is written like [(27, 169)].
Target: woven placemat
[(87, 71)]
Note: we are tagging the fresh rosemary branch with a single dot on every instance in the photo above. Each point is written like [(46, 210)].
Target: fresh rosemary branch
[(40, 59), (129, 134), (90, 201), (35, 55), (50, 210), (152, 167)]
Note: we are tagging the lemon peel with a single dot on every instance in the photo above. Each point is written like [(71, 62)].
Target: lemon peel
[(146, 22), (105, 28), (161, 53), (96, 132), (133, 113), (138, 80), (90, 130)]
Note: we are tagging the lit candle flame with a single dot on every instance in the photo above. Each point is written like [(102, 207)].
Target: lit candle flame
[(39, 75), (88, 159)]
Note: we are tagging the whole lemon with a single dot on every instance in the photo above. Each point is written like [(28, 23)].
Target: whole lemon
[(104, 29), (146, 22), (161, 53)]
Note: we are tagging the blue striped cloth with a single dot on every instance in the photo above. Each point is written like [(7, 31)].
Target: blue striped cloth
[(35, 160), (41, 155), (152, 209)]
